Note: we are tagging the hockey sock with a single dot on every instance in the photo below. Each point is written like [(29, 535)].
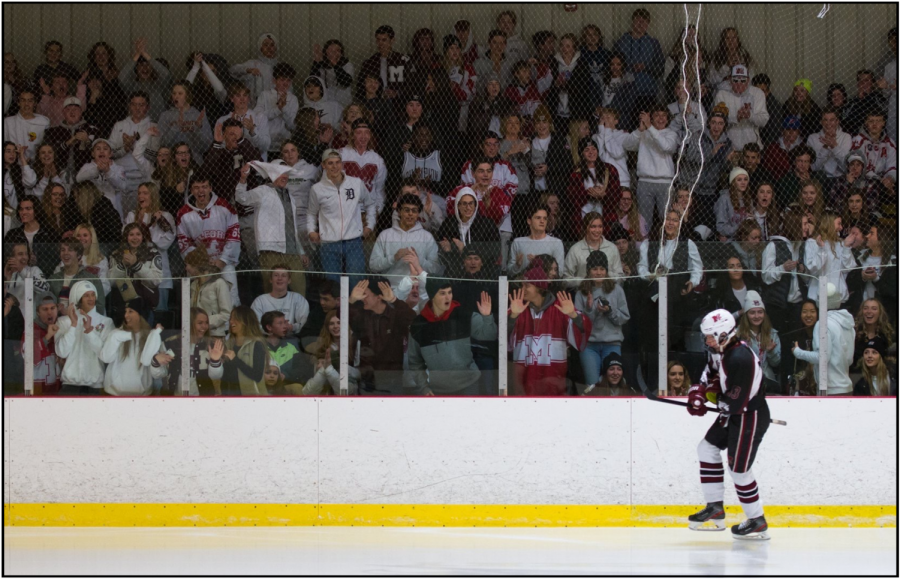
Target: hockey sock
[(712, 473), (748, 493)]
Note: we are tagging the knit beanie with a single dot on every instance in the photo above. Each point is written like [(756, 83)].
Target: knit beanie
[(597, 259), (879, 344), (535, 275), (435, 284), (612, 359), (735, 172), (753, 300), (805, 83)]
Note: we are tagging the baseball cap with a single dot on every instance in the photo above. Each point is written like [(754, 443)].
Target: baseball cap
[(739, 71), (856, 156), (412, 98), (361, 124), (72, 100), (329, 153), (791, 122)]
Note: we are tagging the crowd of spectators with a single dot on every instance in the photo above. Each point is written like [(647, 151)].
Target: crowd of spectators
[(585, 174)]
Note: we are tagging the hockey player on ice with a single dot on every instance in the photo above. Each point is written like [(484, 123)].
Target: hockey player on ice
[(731, 380)]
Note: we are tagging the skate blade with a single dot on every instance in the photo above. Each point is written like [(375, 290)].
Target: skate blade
[(763, 536), (704, 526)]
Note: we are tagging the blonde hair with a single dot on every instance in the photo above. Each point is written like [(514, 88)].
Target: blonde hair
[(883, 326), (86, 195), (574, 139), (247, 317), (819, 205), (687, 377), (828, 232), (745, 330), (92, 255), (879, 379), (155, 204)]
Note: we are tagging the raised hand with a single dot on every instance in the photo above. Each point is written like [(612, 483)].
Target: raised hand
[(216, 350), (163, 359), (484, 306), (88, 327), (387, 293), (8, 304), (517, 302), (73, 315), (564, 304), (218, 134), (459, 244), (51, 331), (359, 291), (445, 245)]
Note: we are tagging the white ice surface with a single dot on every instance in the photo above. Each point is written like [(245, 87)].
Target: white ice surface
[(444, 551)]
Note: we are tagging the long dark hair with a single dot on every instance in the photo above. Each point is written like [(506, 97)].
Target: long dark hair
[(607, 75), (144, 252), (39, 216)]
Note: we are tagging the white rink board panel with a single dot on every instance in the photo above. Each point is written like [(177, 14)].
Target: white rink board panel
[(833, 451), (163, 451), (503, 451), (475, 451)]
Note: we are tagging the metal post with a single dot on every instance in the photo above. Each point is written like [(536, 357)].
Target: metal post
[(502, 319), (345, 335), (28, 350), (823, 336), (663, 334), (186, 351)]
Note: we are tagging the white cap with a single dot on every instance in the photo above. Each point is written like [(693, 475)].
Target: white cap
[(72, 100), (739, 70), (834, 297)]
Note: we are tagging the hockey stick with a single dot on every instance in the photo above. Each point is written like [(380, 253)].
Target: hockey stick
[(652, 396)]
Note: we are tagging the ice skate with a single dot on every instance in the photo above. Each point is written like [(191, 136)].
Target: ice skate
[(713, 513), (752, 529)]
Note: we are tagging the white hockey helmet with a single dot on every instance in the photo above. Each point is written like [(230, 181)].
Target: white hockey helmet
[(720, 325)]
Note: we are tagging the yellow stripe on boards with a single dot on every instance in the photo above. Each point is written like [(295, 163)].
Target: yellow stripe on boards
[(249, 515)]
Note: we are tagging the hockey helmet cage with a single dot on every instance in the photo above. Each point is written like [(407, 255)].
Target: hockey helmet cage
[(720, 324)]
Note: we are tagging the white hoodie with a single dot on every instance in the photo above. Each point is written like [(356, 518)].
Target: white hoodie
[(263, 82), (834, 265), (112, 183), (82, 351), (335, 212), (329, 111), (655, 148), (268, 217), (832, 161), (281, 120), (392, 240), (134, 375), (610, 144), (841, 337)]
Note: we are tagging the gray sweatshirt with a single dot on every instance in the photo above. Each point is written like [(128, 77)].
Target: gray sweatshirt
[(527, 246), (606, 327)]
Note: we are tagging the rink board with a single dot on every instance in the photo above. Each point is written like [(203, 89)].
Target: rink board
[(427, 461)]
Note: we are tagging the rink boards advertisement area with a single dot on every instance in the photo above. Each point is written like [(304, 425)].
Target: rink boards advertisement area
[(429, 462)]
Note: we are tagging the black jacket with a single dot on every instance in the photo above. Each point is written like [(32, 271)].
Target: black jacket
[(484, 236), (44, 245)]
